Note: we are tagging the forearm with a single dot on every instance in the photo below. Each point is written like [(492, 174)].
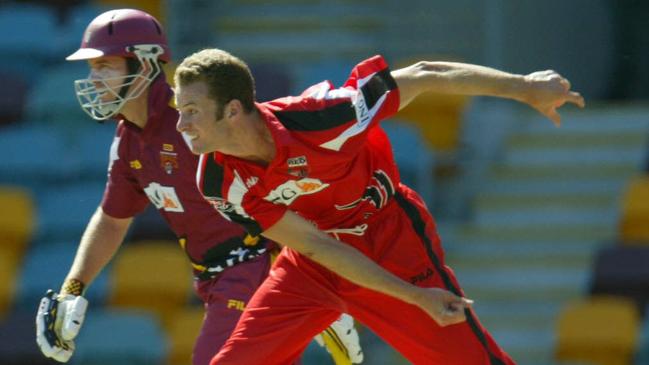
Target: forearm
[(292, 231), (457, 78), (354, 266), (101, 240)]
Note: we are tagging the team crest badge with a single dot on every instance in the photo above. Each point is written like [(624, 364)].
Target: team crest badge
[(168, 158), (298, 166)]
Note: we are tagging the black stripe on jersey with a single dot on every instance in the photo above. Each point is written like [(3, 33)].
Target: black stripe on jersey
[(385, 182), (379, 84), (212, 188), (250, 225), (420, 227), (212, 178), (317, 120)]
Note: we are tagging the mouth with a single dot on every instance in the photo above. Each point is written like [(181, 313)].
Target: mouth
[(189, 137)]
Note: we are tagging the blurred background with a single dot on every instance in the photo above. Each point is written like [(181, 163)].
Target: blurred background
[(546, 228)]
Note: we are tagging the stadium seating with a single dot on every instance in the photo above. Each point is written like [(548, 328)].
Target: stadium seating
[(634, 225), (38, 156), (64, 211), (27, 44), (415, 160), (16, 217), (599, 330), (272, 81), (124, 337), (182, 332), (153, 7), (92, 144), (642, 355), (52, 99), (12, 97), (18, 345), (45, 267), (439, 117), (8, 267), (152, 275), (624, 271)]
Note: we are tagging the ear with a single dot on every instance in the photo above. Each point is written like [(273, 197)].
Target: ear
[(233, 109)]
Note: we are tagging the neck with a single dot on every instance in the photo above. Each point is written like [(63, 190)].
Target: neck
[(136, 110), (255, 140)]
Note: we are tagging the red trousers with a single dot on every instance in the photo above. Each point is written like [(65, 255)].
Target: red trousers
[(300, 299)]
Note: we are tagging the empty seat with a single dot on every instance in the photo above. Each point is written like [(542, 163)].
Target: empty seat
[(153, 275), (624, 271), (129, 337), (599, 331), (38, 156), (18, 345), (8, 268), (272, 81), (634, 226), (52, 98), (438, 116), (45, 267), (182, 332), (26, 43), (92, 144), (642, 356), (64, 211), (153, 7), (17, 215), (415, 160), (12, 96)]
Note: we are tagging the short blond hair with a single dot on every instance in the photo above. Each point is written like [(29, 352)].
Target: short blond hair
[(227, 77)]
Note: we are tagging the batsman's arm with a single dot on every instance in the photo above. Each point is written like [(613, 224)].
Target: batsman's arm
[(100, 241), (295, 232), (545, 91)]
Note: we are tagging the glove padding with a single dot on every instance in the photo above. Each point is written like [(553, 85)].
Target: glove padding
[(341, 341), (58, 322)]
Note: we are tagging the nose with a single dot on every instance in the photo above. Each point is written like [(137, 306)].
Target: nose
[(182, 124)]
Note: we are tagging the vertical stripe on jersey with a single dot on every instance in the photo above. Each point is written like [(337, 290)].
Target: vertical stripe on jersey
[(210, 182), (210, 177), (374, 86), (419, 226), (236, 192)]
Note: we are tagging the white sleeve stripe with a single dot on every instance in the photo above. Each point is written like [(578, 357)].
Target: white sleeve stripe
[(236, 192), (363, 117), (200, 171)]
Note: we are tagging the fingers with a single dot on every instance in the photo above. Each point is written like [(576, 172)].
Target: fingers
[(454, 310), (576, 98), (48, 341), (74, 314), (554, 117)]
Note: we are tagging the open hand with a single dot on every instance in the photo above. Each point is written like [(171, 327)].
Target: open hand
[(548, 91)]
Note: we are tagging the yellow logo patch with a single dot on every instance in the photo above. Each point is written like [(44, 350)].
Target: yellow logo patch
[(135, 164)]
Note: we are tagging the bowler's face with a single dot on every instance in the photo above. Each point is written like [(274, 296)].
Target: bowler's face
[(197, 118)]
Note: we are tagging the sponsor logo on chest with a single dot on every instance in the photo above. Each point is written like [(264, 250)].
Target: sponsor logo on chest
[(164, 197), (287, 192)]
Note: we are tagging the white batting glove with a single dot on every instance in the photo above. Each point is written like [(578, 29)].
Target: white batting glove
[(341, 341), (58, 322)]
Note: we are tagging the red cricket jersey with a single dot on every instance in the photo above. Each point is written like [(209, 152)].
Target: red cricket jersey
[(333, 164), (155, 165)]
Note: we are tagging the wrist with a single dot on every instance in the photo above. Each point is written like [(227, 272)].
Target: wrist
[(73, 287)]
